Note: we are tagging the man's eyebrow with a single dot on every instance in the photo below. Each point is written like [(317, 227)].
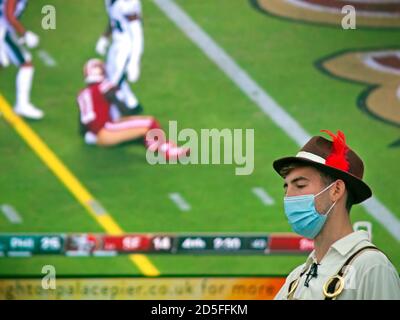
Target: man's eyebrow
[(295, 180), (299, 179)]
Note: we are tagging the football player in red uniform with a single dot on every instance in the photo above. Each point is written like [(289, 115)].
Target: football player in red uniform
[(103, 127)]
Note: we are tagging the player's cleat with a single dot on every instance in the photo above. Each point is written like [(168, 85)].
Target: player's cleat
[(29, 111), (171, 151)]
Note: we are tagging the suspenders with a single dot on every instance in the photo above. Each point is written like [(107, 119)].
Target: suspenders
[(294, 284), (335, 284)]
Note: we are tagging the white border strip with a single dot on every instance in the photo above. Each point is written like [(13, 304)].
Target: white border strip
[(256, 94), (180, 202), (373, 1), (20, 254), (322, 8), (261, 194), (373, 64)]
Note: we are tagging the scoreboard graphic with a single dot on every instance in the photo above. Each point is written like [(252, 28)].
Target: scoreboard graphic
[(25, 245)]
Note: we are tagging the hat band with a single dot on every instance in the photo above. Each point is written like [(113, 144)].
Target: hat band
[(310, 156)]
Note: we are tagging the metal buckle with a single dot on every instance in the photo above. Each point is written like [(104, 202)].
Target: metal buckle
[(337, 291), (293, 288)]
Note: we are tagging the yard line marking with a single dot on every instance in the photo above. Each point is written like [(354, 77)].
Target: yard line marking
[(72, 184), (260, 97), (11, 214), (180, 202), (239, 76), (97, 208), (46, 58), (263, 196), (381, 213)]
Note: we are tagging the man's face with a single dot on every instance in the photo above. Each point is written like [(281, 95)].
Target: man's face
[(307, 180)]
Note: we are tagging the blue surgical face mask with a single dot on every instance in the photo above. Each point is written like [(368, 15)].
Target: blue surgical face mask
[(303, 216)]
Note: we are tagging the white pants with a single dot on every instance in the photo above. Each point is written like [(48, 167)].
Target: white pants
[(123, 61), (123, 58), (12, 50), (133, 67), (3, 55)]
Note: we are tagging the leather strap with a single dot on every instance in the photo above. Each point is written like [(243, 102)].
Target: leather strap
[(331, 288)]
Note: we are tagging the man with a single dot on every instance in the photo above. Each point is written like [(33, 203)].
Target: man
[(124, 54), (12, 49), (99, 127), (322, 182)]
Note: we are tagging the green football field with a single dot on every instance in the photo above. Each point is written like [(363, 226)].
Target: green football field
[(180, 83)]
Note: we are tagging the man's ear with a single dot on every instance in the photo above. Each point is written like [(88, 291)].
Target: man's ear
[(338, 190)]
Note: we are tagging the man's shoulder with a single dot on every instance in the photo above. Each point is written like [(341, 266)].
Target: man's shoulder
[(376, 277), (370, 258)]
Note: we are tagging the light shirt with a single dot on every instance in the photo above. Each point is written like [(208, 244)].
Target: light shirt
[(371, 275), (19, 9), (118, 10)]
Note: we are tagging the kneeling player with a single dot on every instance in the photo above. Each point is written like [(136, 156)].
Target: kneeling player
[(96, 104)]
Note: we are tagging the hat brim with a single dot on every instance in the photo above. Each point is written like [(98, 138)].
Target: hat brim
[(358, 188)]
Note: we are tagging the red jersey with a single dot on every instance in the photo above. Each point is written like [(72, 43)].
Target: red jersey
[(94, 107)]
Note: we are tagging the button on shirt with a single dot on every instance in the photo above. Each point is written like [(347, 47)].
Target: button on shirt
[(370, 276)]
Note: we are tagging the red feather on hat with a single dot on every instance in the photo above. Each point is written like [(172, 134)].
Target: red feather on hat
[(337, 158)]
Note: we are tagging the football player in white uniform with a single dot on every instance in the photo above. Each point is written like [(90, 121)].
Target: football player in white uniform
[(124, 54), (15, 38), (4, 62)]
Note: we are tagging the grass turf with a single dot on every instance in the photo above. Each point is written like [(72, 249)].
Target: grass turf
[(179, 83)]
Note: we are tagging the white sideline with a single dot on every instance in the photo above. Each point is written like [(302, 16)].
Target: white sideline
[(256, 94), (261, 194), (11, 214), (46, 58), (180, 202)]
